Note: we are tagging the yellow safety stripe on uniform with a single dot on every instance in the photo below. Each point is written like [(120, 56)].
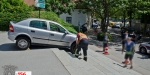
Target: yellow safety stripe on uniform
[(85, 56), (76, 52)]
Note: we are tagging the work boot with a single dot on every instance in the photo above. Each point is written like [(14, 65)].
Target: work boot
[(85, 59), (131, 67), (76, 56)]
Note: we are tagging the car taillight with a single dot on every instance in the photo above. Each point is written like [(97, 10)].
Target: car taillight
[(11, 28)]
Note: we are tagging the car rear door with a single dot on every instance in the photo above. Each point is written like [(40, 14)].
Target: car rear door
[(39, 32), (58, 35)]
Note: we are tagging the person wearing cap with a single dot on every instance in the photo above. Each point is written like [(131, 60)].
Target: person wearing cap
[(81, 42), (130, 49)]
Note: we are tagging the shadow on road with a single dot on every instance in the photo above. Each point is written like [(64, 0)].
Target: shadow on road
[(143, 56), (12, 47), (8, 47)]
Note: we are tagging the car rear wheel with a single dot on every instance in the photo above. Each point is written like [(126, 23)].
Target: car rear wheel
[(23, 43), (73, 48), (143, 50)]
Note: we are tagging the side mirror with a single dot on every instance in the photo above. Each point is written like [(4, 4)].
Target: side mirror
[(66, 32)]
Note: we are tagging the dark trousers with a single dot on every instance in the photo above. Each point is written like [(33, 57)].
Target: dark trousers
[(84, 46)]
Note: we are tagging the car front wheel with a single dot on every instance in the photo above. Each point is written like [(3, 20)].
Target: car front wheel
[(23, 43), (73, 48), (143, 50)]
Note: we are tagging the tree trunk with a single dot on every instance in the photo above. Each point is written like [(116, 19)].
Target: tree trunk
[(130, 14), (89, 20), (103, 24), (124, 18)]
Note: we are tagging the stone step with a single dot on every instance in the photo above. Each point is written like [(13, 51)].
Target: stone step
[(97, 64), (109, 64), (76, 66)]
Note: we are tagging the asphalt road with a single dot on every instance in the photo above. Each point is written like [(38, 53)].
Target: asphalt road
[(38, 60)]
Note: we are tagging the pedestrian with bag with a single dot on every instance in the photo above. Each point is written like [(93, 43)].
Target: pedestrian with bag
[(81, 43)]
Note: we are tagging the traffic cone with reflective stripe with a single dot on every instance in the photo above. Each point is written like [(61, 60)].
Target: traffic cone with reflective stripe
[(106, 50)]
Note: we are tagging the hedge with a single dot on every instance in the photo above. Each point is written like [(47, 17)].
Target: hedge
[(7, 17), (100, 36)]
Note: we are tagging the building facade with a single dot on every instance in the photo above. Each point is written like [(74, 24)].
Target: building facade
[(75, 18)]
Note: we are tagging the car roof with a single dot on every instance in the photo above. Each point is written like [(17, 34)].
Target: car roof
[(42, 19)]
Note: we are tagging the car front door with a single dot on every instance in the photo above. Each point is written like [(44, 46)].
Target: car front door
[(58, 35), (39, 32)]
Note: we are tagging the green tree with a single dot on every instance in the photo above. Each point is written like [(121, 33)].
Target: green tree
[(102, 9), (12, 10), (60, 6), (13, 6)]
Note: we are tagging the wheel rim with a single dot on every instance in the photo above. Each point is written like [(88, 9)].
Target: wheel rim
[(73, 49), (143, 50), (22, 43)]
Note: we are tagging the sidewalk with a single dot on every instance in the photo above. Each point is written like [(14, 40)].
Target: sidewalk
[(140, 65)]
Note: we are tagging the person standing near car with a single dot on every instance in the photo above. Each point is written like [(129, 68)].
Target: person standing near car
[(81, 42), (84, 27), (130, 50), (124, 37), (105, 41)]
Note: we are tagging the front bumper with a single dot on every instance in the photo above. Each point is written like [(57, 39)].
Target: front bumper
[(148, 51)]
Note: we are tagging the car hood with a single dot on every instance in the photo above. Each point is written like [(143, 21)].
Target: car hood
[(144, 43)]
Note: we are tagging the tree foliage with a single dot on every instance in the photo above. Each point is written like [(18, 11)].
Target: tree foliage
[(102, 9), (12, 10), (60, 6), (13, 6)]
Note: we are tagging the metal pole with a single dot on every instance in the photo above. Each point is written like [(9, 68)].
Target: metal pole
[(39, 12)]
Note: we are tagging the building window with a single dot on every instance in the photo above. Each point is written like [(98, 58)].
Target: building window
[(69, 19)]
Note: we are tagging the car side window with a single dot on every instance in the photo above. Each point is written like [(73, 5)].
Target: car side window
[(61, 29), (38, 24), (55, 27)]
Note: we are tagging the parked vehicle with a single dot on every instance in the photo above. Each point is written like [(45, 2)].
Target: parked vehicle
[(116, 26), (144, 48), (34, 31)]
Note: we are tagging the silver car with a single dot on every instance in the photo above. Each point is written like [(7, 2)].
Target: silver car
[(33, 31), (144, 47)]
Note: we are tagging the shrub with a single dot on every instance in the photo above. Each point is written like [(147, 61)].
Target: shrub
[(54, 17), (100, 36), (7, 17)]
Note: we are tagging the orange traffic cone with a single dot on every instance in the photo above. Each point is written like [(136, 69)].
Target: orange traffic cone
[(106, 51)]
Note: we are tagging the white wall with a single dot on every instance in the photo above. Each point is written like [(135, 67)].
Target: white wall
[(76, 17)]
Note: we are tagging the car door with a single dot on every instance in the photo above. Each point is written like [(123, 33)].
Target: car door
[(58, 35), (39, 32)]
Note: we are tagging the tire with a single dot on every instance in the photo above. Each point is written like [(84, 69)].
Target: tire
[(73, 48), (143, 50), (25, 43)]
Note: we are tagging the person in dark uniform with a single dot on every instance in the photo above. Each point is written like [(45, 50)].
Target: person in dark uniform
[(81, 42)]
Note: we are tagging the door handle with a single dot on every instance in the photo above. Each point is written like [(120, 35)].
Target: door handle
[(52, 34), (33, 31)]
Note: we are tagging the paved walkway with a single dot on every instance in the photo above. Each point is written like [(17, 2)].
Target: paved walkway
[(97, 64)]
